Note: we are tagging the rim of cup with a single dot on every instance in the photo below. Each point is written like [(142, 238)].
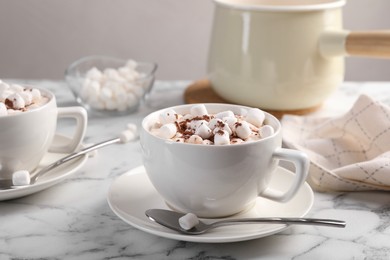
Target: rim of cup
[(44, 92), (151, 118), (269, 6)]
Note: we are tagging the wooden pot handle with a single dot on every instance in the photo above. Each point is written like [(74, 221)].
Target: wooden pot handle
[(368, 44)]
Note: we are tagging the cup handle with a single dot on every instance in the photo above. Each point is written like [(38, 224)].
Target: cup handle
[(80, 114), (301, 162)]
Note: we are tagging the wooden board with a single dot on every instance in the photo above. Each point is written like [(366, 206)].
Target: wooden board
[(200, 91)]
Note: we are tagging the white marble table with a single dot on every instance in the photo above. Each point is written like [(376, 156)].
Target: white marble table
[(72, 220)]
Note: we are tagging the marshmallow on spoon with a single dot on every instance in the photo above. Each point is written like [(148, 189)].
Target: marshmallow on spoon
[(21, 178), (188, 221)]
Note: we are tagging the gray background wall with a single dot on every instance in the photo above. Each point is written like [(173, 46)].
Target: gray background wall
[(39, 38)]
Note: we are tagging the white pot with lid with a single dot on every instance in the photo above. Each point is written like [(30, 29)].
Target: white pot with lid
[(284, 54)]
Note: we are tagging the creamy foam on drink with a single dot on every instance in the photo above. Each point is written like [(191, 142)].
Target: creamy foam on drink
[(223, 128), (15, 98)]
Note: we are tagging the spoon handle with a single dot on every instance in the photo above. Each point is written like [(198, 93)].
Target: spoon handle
[(73, 156), (295, 221)]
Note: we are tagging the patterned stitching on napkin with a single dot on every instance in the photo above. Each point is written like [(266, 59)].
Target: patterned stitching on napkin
[(346, 152)]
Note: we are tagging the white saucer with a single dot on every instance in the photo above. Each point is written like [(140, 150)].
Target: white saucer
[(131, 194), (51, 178)]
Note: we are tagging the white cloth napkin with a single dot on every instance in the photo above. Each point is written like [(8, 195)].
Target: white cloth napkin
[(350, 152)]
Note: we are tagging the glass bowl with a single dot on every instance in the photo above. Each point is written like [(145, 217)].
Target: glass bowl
[(110, 86)]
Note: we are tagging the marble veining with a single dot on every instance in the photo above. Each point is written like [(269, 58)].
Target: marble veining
[(72, 219)]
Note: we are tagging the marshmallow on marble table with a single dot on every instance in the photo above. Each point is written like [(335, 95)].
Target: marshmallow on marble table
[(198, 110), (188, 221), (221, 137), (168, 116), (242, 130), (255, 116), (167, 131), (266, 131)]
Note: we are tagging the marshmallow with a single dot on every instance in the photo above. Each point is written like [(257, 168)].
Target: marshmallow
[(106, 93), (207, 142), (266, 130), (168, 131), (214, 123), (178, 140), (3, 109), (94, 74), (15, 101), (255, 116), (132, 64), (195, 124), (168, 116), (127, 136), (203, 131), (236, 141), (195, 139), (27, 97), (198, 110), (21, 178), (224, 127), (223, 114), (221, 137), (242, 130), (131, 99), (36, 95), (230, 121), (188, 221), (132, 127)]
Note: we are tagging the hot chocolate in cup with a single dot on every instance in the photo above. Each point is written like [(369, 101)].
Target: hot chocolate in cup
[(213, 178), (28, 120)]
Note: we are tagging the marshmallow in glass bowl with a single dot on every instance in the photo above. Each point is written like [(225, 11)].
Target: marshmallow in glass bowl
[(110, 86)]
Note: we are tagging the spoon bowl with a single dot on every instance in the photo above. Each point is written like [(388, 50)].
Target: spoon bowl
[(170, 219)]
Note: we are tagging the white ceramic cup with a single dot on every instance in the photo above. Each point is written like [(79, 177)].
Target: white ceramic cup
[(217, 180), (26, 137), (283, 54)]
